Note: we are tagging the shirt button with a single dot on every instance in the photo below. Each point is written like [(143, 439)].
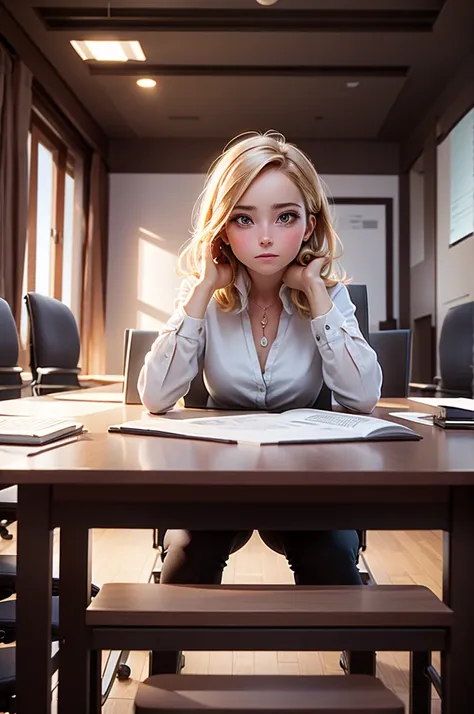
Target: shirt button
[(200, 330), (318, 337), (328, 327), (261, 389)]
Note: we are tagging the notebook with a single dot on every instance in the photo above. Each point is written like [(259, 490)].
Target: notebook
[(290, 427), (35, 431)]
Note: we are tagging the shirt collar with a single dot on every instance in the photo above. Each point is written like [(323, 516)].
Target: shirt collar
[(242, 284)]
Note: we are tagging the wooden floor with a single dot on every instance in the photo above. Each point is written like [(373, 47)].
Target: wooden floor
[(394, 557)]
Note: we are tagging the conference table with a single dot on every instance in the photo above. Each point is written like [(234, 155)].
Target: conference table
[(114, 480)]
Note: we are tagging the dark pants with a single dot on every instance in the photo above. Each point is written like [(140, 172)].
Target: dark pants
[(315, 557)]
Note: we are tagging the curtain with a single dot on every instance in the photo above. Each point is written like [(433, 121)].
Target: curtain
[(15, 110), (94, 269)]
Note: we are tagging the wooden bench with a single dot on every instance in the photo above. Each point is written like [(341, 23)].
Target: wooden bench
[(229, 694), (361, 619), (136, 605)]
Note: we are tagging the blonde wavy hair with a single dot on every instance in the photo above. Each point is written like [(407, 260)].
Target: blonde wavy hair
[(228, 178)]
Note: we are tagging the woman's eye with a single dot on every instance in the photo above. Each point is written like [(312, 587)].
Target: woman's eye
[(243, 220), (286, 218)]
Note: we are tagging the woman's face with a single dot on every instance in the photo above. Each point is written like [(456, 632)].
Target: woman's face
[(268, 225)]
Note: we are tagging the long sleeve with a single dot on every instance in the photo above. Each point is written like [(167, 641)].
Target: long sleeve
[(174, 358), (350, 367)]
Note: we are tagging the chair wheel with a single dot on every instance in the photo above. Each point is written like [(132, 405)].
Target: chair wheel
[(343, 662), (123, 671), (7, 536)]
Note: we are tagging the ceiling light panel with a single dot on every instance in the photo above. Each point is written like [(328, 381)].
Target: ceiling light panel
[(109, 50)]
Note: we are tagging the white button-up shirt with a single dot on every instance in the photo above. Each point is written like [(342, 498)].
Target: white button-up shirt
[(305, 353)]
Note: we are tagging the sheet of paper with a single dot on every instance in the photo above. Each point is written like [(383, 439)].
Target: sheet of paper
[(417, 417), (52, 408), (457, 402)]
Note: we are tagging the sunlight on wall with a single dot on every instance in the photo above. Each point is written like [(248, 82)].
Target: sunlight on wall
[(156, 281)]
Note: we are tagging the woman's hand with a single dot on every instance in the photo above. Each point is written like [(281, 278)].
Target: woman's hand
[(305, 277), (216, 271)]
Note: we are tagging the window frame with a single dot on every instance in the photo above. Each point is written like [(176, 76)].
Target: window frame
[(64, 164)]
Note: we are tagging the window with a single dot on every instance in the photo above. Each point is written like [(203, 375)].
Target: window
[(54, 242)]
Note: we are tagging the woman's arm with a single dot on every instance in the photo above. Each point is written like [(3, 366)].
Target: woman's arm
[(350, 367), (174, 358)]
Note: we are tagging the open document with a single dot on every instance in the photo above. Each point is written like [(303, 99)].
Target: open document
[(291, 427)]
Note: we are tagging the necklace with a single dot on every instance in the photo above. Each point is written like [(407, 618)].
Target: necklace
[(264, 320)]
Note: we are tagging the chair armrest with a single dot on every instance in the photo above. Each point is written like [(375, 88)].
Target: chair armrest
[(423, 387), (58, 370), (11, 370)]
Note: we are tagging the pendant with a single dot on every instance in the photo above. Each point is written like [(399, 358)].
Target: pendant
[(264, 341), (264, 321)]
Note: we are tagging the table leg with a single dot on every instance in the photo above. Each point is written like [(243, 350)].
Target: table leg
[(420, 683), (76, 668), (33, 611), (458, 589)]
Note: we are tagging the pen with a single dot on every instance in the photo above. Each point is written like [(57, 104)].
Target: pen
[(56, 445)]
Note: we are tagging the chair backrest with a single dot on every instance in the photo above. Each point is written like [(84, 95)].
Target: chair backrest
[(137, 344), (456, 350), (9, 347), (54, 336), (10, 373), (393, 348), (358, 295)]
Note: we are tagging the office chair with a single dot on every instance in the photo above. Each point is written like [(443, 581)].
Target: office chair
[(393, 348), (10, 373), (54, 344), (456, 355), (456, 350)]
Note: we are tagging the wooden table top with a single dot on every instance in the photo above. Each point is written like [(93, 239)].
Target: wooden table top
[(442, 458)]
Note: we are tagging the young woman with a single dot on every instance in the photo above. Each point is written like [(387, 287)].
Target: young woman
[(264, 311)]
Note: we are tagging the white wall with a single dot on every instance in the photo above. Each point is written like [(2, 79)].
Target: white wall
[(455, 263), (149, 222)]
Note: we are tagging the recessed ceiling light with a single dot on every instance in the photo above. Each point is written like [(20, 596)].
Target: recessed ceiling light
[(267, 2), (109, 50), (146, 83), (352, 85)]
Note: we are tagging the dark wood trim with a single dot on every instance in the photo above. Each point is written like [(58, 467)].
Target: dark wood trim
[(268, 638), (52, 82), (388, 205), (187, 155), (257, 19), (134, 69), (404, 268)]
